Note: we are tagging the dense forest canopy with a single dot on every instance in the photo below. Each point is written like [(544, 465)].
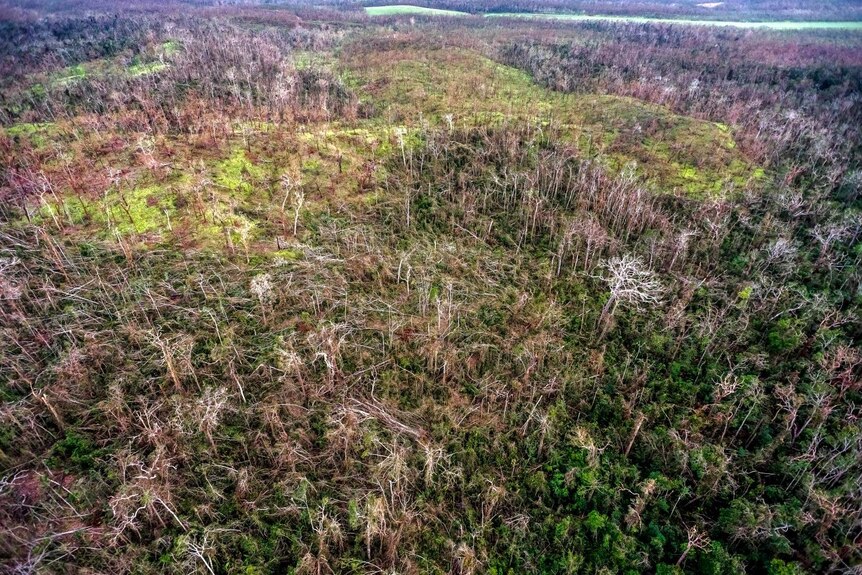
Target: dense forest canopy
[(286, 288)]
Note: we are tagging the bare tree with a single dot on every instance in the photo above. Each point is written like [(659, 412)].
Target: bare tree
[(201, 550), (629, 281), (697, 540), (291, 187)]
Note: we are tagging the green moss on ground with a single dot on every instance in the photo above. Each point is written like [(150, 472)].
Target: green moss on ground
[(144, 69), (170, 47), (37, 134), (141, 210), (238, 174), (69, 75)]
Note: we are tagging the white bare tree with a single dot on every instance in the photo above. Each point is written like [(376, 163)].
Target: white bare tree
[(696, 540), (292, 187), (298, 202), (209, 408), (780, 252), (261, 287), (202, 550), (630, 281)]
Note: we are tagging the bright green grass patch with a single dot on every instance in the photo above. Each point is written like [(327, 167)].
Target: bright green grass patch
[(399, 9), (776, 25), (140, 210), (169, 48), (69, 211), (688, 172), (36, 134), (238, 173), (342, 160), (144, 69), (72, 75), (69, 75), (288, 254)]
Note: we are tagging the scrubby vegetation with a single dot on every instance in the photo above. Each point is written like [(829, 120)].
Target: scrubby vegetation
[(285, 289)]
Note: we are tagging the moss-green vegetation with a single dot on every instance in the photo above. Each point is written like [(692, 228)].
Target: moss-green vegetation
[(170, 47), (238, 174), (148, 68), (140, 210), (72, 211), (438, 86), (38, 134), (69, 75), (128, 212)]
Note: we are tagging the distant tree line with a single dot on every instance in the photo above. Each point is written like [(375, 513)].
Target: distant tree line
[(729, 10)]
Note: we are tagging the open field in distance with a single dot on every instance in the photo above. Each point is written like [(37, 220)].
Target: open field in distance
[(403, 9)]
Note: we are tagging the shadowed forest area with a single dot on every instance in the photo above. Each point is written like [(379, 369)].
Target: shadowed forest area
[(288, 288)]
